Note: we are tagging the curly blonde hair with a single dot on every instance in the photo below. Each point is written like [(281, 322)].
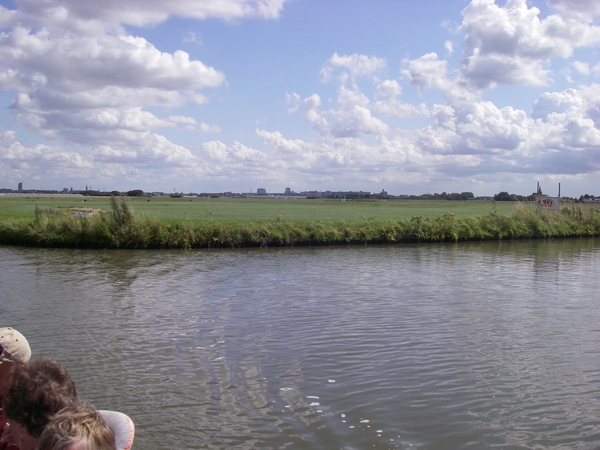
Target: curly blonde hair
[(78, 427)]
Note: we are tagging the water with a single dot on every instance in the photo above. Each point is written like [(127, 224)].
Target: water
[(475, 345)]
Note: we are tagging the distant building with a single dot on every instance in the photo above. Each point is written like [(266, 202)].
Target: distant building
[(383, 193), (315, 194), (288, 191), (20, 187), (261, 191)]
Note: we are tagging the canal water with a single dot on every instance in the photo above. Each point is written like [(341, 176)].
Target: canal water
[(447, 346)]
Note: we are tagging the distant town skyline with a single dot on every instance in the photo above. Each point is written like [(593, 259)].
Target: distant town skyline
[(235, 95), (286, 191)]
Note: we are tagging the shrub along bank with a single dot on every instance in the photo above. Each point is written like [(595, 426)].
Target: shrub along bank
[(122, 228)]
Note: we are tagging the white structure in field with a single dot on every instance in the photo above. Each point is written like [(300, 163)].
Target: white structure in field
[(547, 203)]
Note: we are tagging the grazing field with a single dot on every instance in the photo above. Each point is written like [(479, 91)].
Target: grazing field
[(193, 208), (202, 223)]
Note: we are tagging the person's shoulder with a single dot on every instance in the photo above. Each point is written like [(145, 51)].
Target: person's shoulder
[(6, 445)]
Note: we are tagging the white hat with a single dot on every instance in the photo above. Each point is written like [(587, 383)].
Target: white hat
[(13, 346)]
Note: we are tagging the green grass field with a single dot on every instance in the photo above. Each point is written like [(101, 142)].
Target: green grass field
[(199, 209), (203, 223)]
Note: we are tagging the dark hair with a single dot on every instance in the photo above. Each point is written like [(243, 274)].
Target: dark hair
[(78, 424), (36, 392)]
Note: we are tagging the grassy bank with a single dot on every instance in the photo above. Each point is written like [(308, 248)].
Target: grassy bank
[(121, 227)]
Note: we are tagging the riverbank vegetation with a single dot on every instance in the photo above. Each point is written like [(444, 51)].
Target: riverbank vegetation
[(122, 227)]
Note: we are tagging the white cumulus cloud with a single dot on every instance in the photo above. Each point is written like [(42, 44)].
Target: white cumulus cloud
[(510, 44), (145, 12), (427, 72), (353, 66), (92, 87)]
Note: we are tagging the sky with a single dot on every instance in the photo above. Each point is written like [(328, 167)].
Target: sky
[(344, 95)]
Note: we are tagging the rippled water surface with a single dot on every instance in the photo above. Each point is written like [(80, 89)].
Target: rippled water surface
[(476, 345)]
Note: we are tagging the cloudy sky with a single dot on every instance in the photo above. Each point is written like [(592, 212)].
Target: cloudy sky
[(234, 95)]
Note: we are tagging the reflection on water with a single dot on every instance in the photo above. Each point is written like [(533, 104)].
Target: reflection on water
[(416, 346)]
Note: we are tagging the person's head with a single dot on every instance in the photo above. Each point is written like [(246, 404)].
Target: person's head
[(35, 393), (77, 427), (14, 351)]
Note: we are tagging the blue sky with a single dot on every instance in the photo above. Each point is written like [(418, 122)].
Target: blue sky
[(235, 95)]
